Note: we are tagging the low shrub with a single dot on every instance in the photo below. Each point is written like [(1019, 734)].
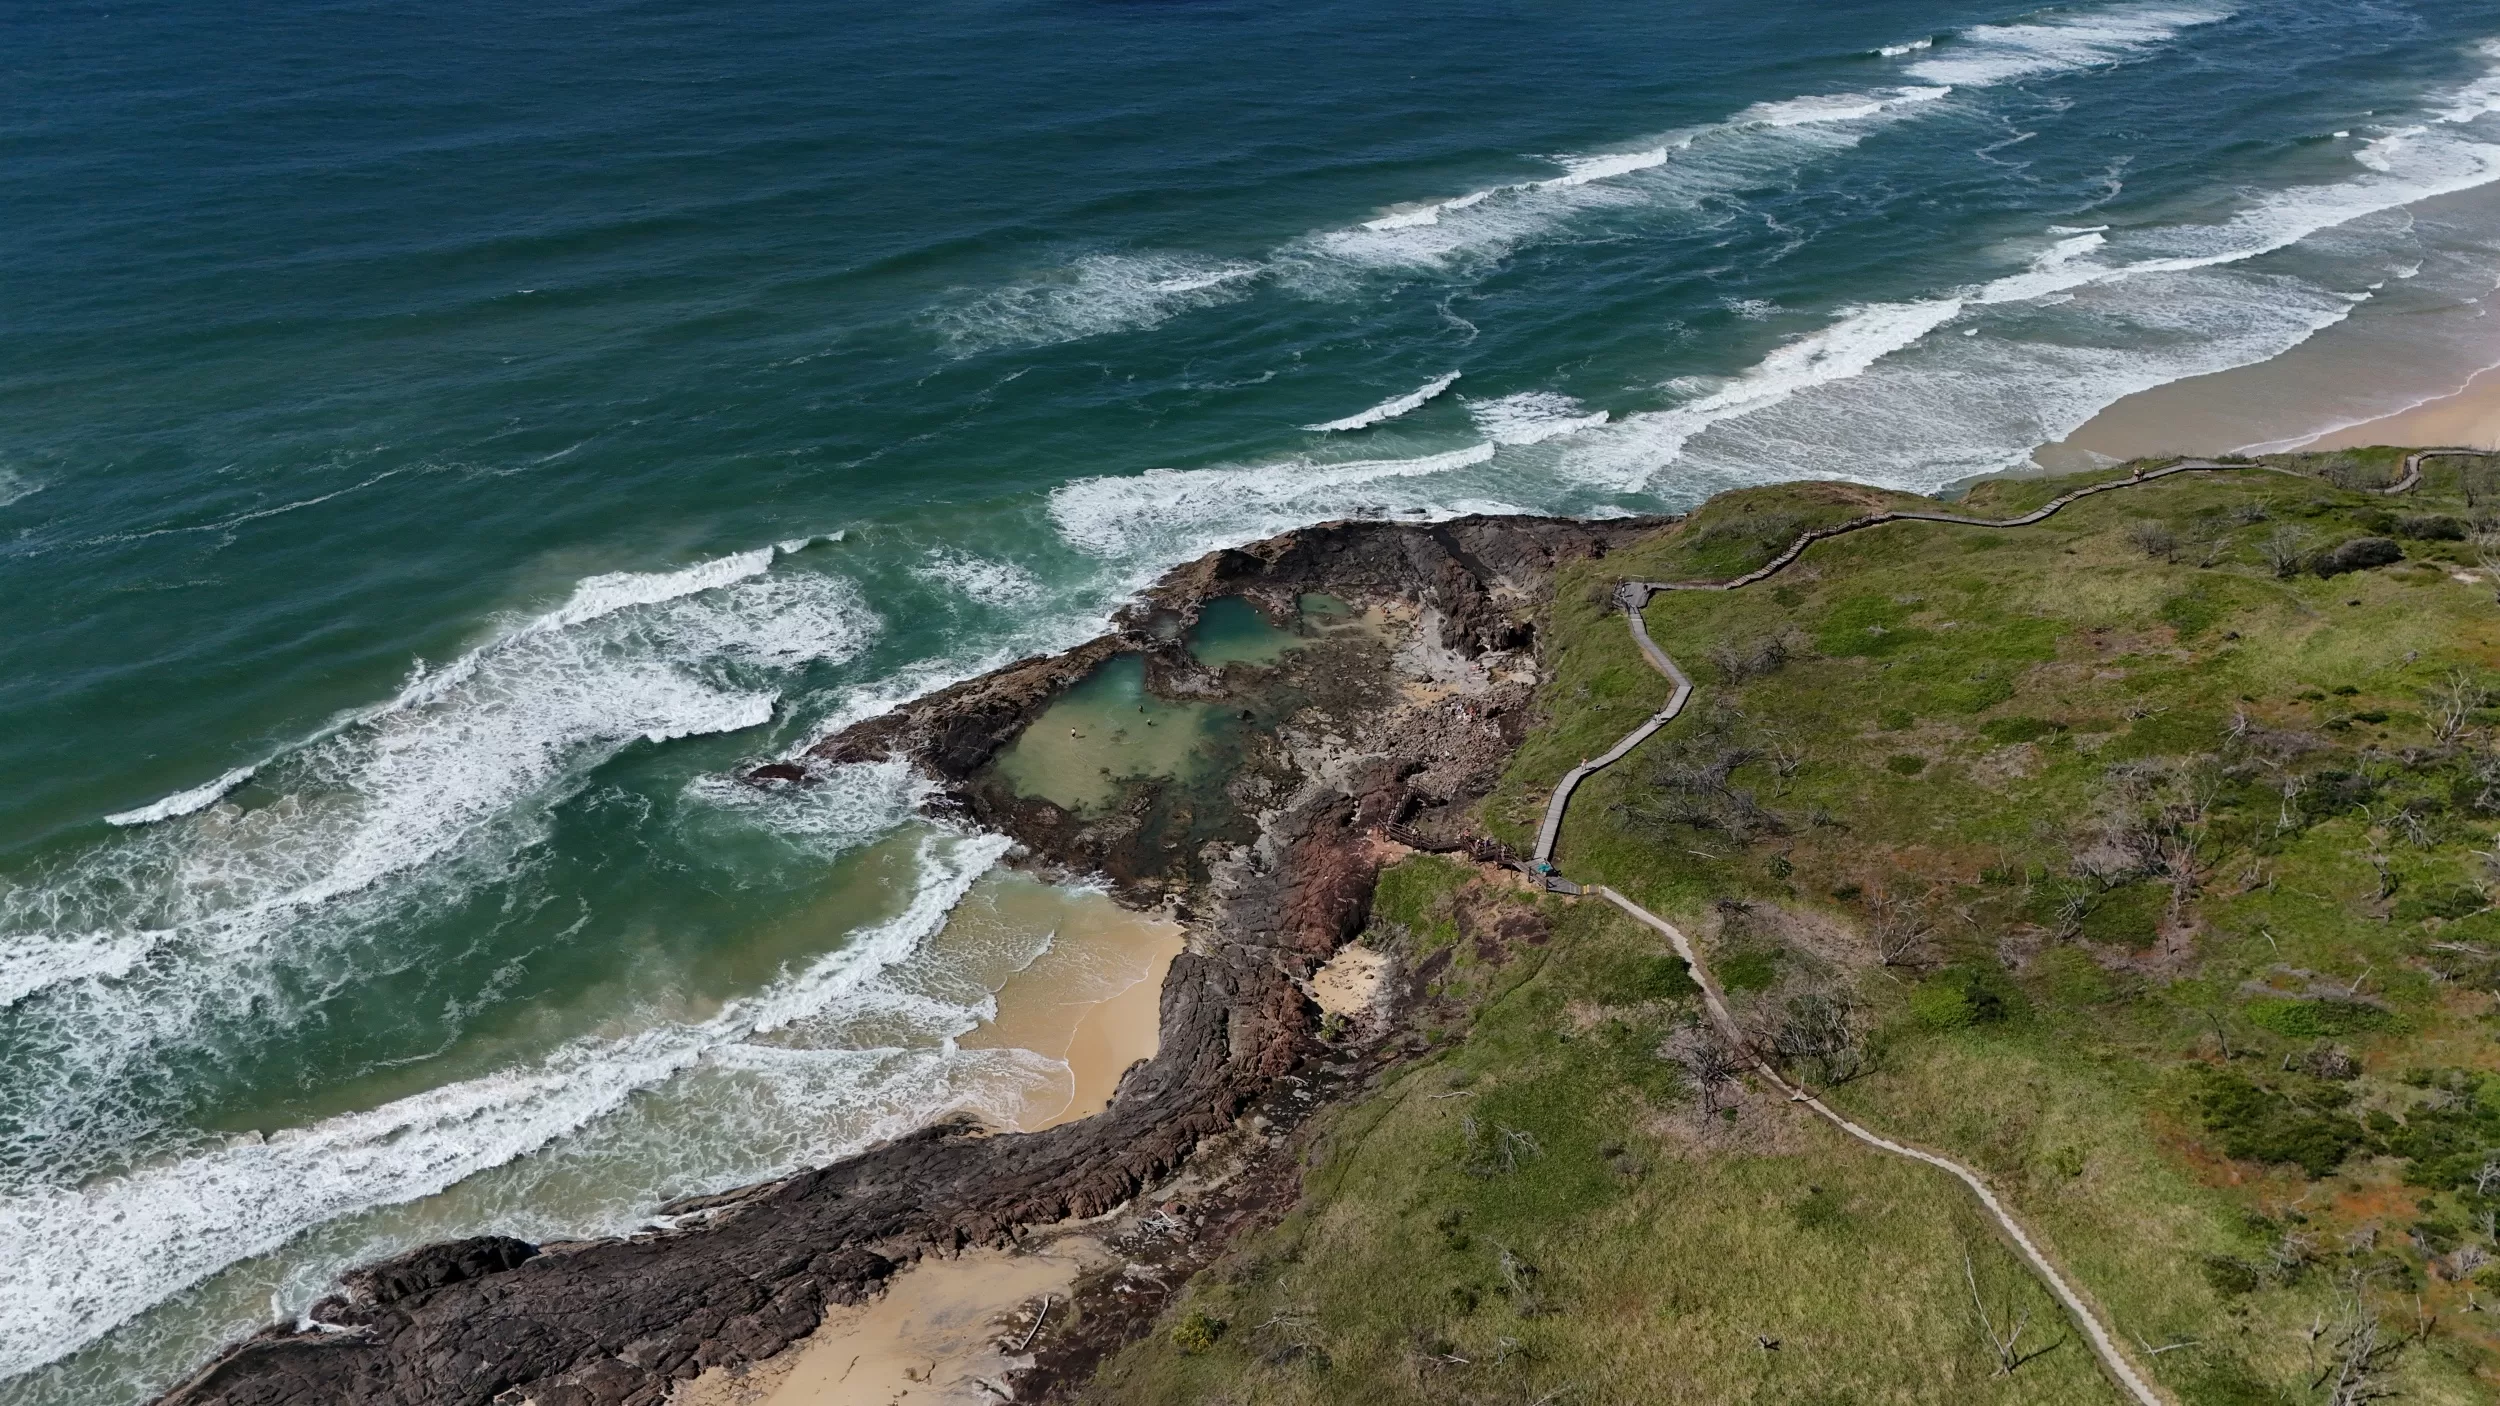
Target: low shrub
[(2261, 1124), (1755, 970), (2312, 1020), (1197, 1332), (1956, 998), (2433, 527), (2359, 554), (2449, 901), (2019, 729)]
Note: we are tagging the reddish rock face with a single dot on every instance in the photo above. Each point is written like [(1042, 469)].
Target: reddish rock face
[(744, 1275)]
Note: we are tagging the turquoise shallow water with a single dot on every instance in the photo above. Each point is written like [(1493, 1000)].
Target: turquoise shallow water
[(436, 443)]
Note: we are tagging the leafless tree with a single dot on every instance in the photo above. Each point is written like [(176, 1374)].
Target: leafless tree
[(1740, 659), (2380, 865), (2284, 550), (2324, 1061), (1820, 1028), (1694, 787), (1786, 760), (2361, 1356), (1519, 1282), (2154, 539), (2287, 814), (2487, 556), (2453, 701), (1709, 1062), (2487, 1176), (2006, 1345), (2352, 472), (2288, 1256), (1898, 927), (2413, 821)]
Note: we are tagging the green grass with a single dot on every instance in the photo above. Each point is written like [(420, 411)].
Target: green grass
[(2215, 1085)]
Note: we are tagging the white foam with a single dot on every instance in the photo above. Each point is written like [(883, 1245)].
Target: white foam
[(795, 545), (2475, 98), (595, 596), (1640, 444), (1169, 515), (994, 583), (1096, 294), (1835, 107), (1582, 170), (840, 810), (31, 961), (248, 917), (184, 802), (87, 1259), (2059, 42), (2061, 386), (1676, 171), (15, 487), (1391, 408), (1532, 417)]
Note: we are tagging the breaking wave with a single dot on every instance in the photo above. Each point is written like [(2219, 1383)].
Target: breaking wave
[(1171, 515), (1391, 408), (993, 583), (1532, 417), (1097, 294), (180, 1220), (131, 952), (184, 802)]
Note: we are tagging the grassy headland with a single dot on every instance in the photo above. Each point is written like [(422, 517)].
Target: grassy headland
[(2126, 858)]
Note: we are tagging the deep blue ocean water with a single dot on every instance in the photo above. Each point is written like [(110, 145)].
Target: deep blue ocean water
[(438, 441)]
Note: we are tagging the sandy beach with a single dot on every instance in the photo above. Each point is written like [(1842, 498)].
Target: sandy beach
[(1091, 1002), (2416, 363), (943, 1333), (2469, 419)]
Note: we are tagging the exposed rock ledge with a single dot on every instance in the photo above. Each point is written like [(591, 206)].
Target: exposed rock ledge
[(741, 1276)]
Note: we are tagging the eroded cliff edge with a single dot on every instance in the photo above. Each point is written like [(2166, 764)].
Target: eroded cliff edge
[(1406, 721)]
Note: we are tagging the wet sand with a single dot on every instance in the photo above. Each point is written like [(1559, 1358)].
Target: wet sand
[(2469, 419), (2417, 364), (1093, 1002)]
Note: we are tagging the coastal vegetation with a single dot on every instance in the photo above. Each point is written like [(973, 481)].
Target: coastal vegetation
[(2141, 860)]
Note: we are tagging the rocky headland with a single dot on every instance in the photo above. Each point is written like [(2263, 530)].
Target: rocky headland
[(1392, 708)]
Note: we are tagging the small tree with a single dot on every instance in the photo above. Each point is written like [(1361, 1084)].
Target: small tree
[(2154, 539), (2453, 701), (2487, 556), (1898, 928), (2284, 550)]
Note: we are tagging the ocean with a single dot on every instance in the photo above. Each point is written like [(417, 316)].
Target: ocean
[(440, 443)]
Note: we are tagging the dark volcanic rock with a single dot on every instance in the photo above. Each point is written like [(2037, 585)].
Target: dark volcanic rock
[(739, 1277)]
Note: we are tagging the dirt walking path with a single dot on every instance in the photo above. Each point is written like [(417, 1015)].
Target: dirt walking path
[(1633, 596), (2103, 1345)]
